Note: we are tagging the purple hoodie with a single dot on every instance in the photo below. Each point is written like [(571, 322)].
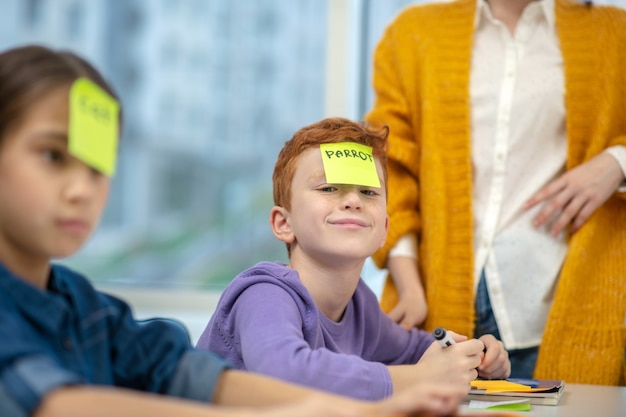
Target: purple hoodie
[(267, 322)]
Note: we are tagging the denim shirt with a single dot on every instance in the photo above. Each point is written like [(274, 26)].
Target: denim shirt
[(72, 334)]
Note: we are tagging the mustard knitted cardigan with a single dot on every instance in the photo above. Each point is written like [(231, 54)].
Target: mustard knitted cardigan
[(421, 79)]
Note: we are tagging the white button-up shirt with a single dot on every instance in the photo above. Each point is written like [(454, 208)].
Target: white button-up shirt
[(519, 144)]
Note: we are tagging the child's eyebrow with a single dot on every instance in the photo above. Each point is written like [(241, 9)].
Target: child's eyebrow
[(51, 135), (317, 176)]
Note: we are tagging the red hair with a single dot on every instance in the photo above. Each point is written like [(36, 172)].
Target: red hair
[(330, 130)]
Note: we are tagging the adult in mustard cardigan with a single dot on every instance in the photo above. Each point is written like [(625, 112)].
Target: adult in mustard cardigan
[(426, 92)]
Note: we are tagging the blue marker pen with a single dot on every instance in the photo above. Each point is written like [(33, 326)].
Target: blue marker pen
[(443, 337)]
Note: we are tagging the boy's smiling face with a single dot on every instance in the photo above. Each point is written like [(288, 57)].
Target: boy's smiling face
[(50, 201), (330, 222)]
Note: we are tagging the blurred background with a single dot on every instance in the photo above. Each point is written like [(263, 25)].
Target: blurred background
[(211, 90)]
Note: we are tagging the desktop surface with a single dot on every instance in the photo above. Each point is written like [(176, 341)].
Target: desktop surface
[(578, 400)]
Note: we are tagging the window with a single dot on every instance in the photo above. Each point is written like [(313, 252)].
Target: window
[(32, 12), (75, 21), (211, 91)]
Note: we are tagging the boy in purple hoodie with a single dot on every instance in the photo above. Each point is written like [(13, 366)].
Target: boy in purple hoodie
[(314, 321)]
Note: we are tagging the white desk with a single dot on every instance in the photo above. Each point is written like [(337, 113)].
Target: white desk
[(578, 401)]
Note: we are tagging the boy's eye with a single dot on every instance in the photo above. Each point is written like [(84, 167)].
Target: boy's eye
[(368, 192), (54, 155), (96, 173), (328, 189)]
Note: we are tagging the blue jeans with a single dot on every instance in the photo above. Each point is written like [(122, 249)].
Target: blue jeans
[(522, 360)]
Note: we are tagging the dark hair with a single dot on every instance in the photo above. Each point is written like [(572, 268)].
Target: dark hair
[(29, 72)]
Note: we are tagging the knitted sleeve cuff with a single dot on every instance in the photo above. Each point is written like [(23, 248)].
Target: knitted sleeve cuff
[(619, 153)]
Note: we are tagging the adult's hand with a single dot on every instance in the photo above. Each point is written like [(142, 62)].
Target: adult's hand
[(573, 197), (412, 308)]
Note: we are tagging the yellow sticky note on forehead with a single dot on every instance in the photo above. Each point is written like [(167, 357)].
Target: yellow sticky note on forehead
[(349, 163), (93, 126)]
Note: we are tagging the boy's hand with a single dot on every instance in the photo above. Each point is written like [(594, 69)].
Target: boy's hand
[(495, 363), (424, 397), (455, 364)]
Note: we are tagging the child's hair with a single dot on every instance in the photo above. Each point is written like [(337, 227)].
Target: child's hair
[(29, 72), (330, 130)]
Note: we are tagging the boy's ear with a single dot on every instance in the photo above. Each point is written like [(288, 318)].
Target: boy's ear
[(279, 222)]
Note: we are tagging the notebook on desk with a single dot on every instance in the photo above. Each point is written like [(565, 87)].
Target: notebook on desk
[(537, 391)]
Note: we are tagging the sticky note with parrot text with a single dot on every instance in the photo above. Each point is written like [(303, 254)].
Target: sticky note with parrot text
[(349, 163)]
